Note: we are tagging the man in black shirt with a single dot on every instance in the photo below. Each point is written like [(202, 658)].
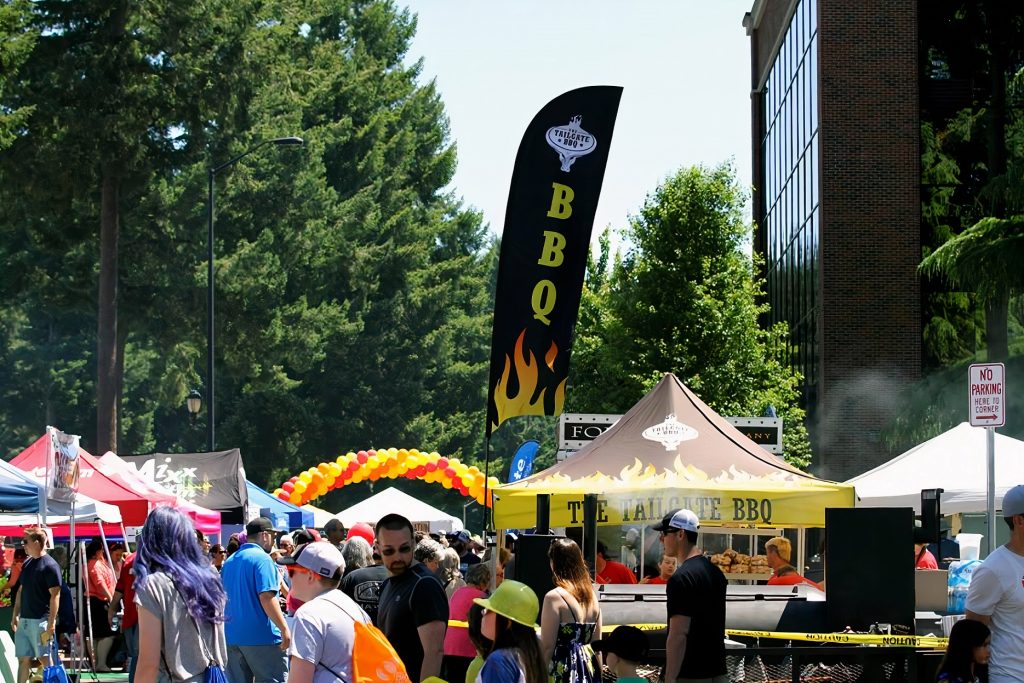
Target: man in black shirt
[(363, 586), (413, 608), (695, 646), (36, 602)]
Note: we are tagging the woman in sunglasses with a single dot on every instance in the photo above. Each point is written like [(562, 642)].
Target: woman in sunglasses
[(181, 602)]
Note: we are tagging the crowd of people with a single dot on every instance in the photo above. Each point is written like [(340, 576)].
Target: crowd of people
[(393, 604)]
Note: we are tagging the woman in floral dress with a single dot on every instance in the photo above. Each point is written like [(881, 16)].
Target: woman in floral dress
[(570, 617)]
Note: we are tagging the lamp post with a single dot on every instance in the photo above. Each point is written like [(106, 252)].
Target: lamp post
[(281, 142), (194, 403)]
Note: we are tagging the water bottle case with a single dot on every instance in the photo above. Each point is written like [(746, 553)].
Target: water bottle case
[(959, 582)]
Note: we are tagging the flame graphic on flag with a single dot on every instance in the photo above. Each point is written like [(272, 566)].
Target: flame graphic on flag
[(527, 372)]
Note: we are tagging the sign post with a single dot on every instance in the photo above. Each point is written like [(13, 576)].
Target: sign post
[(987, 408)]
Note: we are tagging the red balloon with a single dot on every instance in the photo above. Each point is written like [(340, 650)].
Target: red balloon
[(283, 495), (288, 487), (353, 467), (420, 470), (294, 479), (442, 463), (449, 472), (429, 467), (362, 457), (371, 452)]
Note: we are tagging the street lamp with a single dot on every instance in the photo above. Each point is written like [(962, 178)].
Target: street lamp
[(281, 142), (194, 403)]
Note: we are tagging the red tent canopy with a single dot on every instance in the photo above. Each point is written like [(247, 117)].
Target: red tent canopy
[(134, 505)]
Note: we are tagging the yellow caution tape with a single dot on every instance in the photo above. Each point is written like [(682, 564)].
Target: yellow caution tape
[(933, 642), (928, 642), (925, 642)]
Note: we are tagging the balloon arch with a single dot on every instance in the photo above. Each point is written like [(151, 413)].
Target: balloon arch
[(390, 463)]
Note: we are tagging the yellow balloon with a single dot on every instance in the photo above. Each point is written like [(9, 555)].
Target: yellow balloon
[(401, 452), (294, 498), (300, 486), (305, 477), (447, 483), (413, 451), (493, 482), (358, 476), (480, 478)]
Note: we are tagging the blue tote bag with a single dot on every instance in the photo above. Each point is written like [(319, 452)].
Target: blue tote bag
[(54, 672)]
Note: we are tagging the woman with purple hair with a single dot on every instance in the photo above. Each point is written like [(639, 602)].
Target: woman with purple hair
[(181, 602)]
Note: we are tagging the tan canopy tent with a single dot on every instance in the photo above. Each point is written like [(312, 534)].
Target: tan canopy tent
[(671, 450)]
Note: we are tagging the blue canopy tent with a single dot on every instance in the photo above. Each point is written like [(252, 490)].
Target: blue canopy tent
[(283, 514), (20, 496), (17, 495)]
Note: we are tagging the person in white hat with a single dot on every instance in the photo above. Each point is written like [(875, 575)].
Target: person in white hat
[(695, 596), (323, 633), (996, 595)]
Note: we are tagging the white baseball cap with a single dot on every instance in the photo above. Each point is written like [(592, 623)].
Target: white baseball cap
[(679, 519), (320, 557)]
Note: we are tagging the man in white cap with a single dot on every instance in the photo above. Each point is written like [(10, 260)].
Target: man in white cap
[(323, 634), (695, 596), (996, 595)]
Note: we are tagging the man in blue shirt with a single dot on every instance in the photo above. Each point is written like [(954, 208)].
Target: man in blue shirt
[(255, 630)]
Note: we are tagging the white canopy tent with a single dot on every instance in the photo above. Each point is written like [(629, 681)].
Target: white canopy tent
[(392, 500), (953, 461), (320, 517)]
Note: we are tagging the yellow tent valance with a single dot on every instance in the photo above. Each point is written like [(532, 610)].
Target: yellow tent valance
[(643, 496)]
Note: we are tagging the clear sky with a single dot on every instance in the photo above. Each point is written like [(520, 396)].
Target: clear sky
[(684, 66)]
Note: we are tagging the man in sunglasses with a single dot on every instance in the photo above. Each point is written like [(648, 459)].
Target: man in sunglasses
[(323, 634), (413, 609), (695, 596)]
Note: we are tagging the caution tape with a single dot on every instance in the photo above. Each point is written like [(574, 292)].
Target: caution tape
[(931, 642), (924, 642)]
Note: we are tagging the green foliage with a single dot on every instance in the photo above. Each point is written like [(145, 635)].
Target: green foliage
[(16, 42), (972, 165), (352, 292), (684, 300)]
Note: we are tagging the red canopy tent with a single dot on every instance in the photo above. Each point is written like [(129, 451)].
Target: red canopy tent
[(94, 483)]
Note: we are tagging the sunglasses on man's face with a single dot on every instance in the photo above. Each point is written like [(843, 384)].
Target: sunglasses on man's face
[(294, 569), (403, 549)]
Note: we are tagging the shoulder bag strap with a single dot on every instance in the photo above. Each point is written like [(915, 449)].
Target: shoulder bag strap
[(202, 643)]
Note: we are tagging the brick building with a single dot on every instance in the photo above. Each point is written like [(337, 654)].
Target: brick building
[(836, 127)]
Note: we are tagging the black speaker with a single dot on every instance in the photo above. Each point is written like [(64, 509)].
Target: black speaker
[(532, 565), (931, 515), (869, 567)]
